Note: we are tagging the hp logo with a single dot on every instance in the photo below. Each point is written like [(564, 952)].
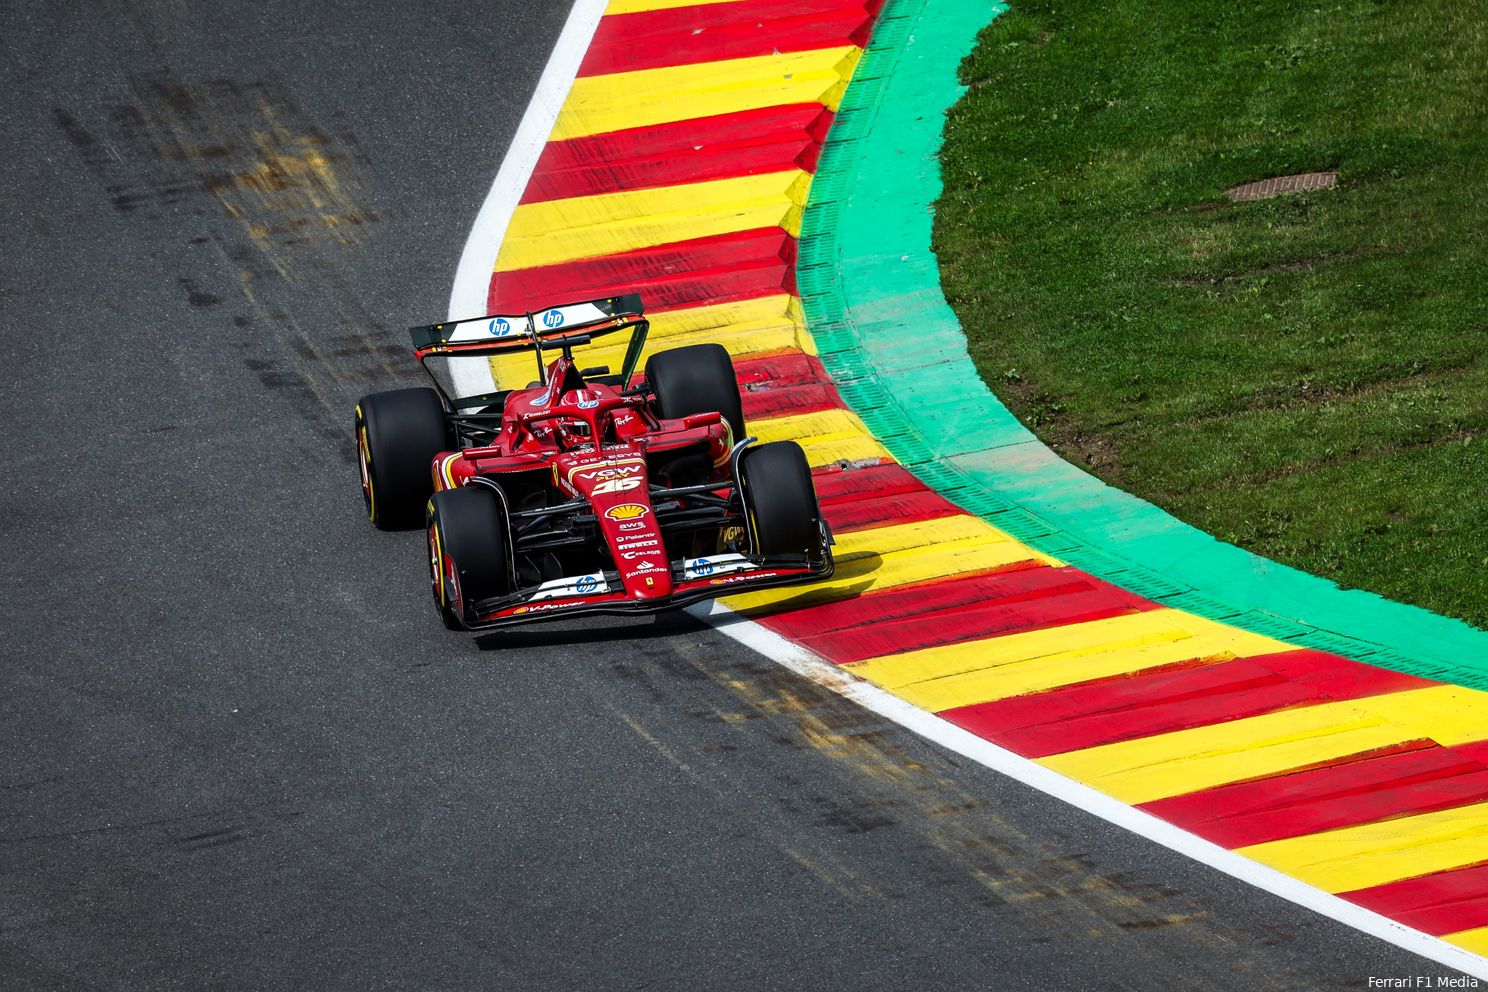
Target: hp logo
[(553, 318)]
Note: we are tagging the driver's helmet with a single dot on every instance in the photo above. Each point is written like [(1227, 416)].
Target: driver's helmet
[(584, 399)]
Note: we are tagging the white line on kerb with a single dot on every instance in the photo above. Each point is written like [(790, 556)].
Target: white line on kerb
[(1030, 773), (478, 260), (468, 299)]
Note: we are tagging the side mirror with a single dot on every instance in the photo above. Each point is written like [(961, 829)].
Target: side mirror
[(596, 370)]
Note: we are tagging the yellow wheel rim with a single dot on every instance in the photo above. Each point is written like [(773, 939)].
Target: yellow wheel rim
[(364, 466)]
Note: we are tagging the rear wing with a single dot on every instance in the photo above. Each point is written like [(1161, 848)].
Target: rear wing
[(497, 333)]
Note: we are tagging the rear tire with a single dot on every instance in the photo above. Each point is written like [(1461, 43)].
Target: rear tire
[(398, 433), (696, 379), (467, 530), (780, 500)]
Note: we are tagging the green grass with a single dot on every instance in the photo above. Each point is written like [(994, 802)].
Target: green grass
[(1307, 376)]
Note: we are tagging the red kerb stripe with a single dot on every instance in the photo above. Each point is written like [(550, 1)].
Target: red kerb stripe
[(747, 143), (709, 33), (778, 371), (835, 485), (677, 276), (1359, 789), (788, 401), (952, 611), (1167, 699), (847, 516), (765, 125), (1443, 902)]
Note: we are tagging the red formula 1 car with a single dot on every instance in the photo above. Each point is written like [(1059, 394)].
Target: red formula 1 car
[(588, 491)]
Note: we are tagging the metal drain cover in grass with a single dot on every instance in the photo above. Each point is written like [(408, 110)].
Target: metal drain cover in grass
[(1265, 189)]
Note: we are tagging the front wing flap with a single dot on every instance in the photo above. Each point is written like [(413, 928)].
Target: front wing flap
[(695, 579)]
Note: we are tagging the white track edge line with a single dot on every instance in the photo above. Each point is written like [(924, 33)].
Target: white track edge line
[(934, 728), (468, 298), (478, 259)]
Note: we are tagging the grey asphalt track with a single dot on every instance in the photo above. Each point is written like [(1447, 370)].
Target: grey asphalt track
[(239, 750)]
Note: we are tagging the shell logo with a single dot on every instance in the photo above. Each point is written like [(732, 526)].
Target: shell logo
[(626, 511)]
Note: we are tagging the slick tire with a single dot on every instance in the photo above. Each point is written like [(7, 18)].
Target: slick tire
[(696, 379), (780, 500), (468, 553), (398, 433)]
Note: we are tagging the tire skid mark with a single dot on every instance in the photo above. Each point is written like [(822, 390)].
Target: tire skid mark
[(211, 838), (274, 199), (881, 787), (286, 181)]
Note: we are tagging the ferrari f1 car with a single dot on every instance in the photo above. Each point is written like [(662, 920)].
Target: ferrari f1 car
[(587, 491)]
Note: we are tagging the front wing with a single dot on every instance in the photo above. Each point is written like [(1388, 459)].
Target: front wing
[(695, 579)]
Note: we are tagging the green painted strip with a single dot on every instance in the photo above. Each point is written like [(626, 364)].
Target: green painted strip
[(870, 288)]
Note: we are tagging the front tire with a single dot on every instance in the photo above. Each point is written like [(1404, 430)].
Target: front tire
[(468, 554), (780, 499), (398, 433), (696, 379)]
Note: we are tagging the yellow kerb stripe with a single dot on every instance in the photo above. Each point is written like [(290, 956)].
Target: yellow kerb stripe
[(647, 97), (940, 678), (884, 557), (1475, 940), (762, 311), (1376, 853), (639, 6), (591, 226), (826, 436), (798, 425), (766, 325), (745, 327), (1185, 761)]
